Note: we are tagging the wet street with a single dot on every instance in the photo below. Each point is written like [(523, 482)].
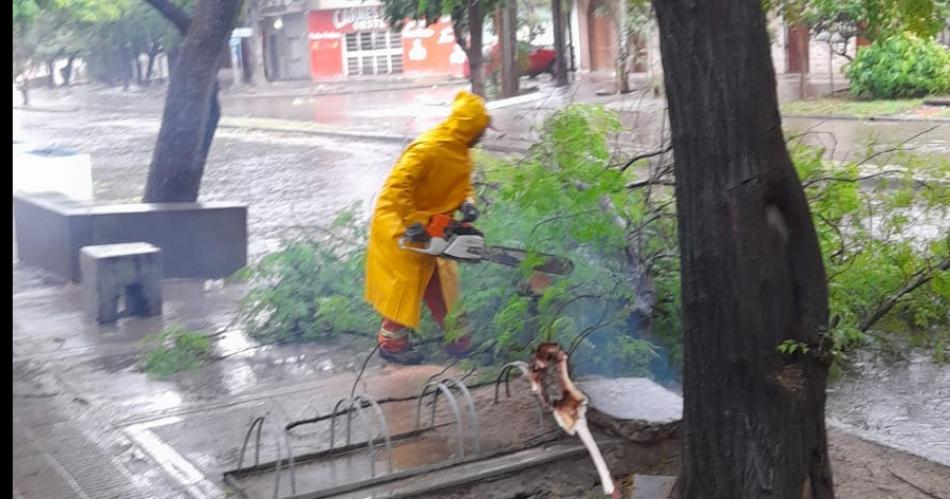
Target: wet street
[(83, 407)]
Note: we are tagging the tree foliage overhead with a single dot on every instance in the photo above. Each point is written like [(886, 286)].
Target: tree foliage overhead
[(844, 20), (108, 33), (397, 12)]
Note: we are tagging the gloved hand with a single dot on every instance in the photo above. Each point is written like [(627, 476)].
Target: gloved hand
[(469, 212), (417, 233)]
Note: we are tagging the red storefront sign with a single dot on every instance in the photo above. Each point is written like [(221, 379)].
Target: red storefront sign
[(424, 49)]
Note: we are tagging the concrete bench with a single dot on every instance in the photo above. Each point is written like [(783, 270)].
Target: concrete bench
[(120, 280), (198, 240)]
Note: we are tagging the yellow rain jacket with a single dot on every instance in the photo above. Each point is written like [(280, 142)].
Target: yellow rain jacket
[(433, 176)]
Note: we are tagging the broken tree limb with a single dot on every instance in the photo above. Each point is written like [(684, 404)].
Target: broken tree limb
[(551, 383), (887, 304)]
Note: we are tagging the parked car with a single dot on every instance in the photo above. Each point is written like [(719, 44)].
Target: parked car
[(532, 61)]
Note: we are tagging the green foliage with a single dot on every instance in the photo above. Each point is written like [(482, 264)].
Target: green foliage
[(313, 287), (109, 33), (175, 349), (553, 201), (567, 196), (868, 221), (902, 65), (873, 19)]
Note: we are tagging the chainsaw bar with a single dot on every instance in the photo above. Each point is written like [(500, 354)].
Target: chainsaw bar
[(513, 257)]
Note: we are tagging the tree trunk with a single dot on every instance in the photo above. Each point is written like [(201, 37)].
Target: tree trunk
[(476, 23), (191, 106), (253, 65), (752, 274), (139, 74), (150, 66), (623, 47), (51, 77), (508, 35), (560, 64), (67, 71), (25, 93)]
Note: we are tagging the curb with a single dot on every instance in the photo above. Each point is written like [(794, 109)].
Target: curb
[(350, 134), (304, 93), (848, 117)]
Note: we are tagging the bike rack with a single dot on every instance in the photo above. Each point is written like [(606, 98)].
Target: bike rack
[(445, 387), (280, 442), (251, 478), (357, 403)]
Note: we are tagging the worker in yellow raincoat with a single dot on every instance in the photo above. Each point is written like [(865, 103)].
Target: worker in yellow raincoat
[(433, 176)]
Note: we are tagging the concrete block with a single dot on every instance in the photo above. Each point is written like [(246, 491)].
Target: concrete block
[(636, 409), (119, 280), (198, 240), (652, 487)]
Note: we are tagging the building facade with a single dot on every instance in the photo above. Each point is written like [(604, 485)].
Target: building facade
[(319, 39)]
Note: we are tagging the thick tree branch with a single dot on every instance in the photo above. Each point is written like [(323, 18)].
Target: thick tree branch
[(173, 13), (886, 305)]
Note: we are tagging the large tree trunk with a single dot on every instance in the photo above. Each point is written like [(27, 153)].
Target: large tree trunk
[(191, 106), (560, 64), (752, 274), (476, 23)]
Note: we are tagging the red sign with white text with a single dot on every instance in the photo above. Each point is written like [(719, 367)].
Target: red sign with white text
[(425, 49)]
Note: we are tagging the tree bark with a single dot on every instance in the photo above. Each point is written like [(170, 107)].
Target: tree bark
[(623, 47), (139, 74), (191, 107), (752, 273), (51, 77), (508, 35), (67, 72), (150, 66), (560, 64), (254, 62), (476, 23)]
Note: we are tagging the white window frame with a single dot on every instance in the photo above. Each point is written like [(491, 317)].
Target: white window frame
[(360, 55)]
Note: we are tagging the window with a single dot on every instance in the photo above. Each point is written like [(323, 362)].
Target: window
[(372, 53)]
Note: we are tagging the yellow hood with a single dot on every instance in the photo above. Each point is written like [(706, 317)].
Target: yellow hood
[(469, 117)]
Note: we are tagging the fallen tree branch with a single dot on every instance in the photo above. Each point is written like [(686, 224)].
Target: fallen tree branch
[(850, 179), (638, 157), (650, 182), (887, 304), (896, 147)]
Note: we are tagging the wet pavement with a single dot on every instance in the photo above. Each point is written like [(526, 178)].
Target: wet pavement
[(89, 423), (903, 404)]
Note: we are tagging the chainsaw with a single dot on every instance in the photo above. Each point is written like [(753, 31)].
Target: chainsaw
[(452, 239)]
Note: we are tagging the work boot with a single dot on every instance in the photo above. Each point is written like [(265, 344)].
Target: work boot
[(394, 347), (407, 357), (459, 348)]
